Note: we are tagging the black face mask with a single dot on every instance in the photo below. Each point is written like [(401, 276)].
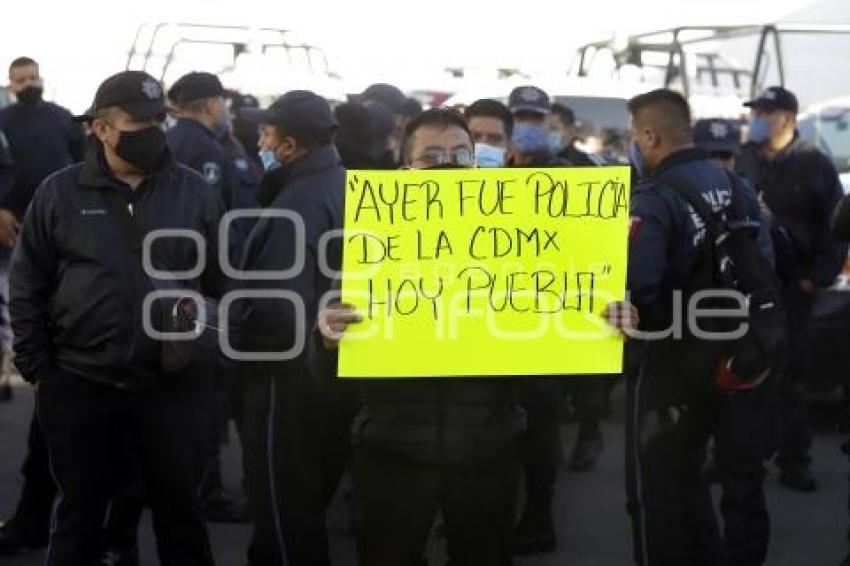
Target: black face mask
[(30, 96), (143, 148)]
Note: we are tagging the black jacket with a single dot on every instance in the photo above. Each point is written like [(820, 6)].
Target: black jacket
[(572, 156), (6, 166), (311, 187), (802, 189), (43, 139), (434, 421), (77, 283)]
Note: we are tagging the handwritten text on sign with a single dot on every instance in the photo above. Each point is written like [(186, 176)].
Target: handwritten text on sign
[(484, 272)]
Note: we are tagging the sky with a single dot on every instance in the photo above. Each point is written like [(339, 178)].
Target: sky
[(79, 43)]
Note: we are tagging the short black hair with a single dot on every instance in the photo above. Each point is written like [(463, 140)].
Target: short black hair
[(489, 108), (671, 113), (565, 113), (22, 62), (436, 118)]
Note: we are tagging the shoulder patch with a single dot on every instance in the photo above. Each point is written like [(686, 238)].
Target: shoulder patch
[(211, 172)]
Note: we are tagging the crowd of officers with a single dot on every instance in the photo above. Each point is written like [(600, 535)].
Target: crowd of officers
[(119, 427)]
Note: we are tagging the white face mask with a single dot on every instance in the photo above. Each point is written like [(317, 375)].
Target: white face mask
[(487, 156)]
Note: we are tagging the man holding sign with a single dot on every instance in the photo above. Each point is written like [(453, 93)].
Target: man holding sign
[(425, 443)]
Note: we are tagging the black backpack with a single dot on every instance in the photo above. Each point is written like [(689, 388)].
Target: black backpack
[(729, 259)]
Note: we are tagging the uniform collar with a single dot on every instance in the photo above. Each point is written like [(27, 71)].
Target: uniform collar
[(191, 123), (96, 173), (276, 180), (793, 146), (679, 158)]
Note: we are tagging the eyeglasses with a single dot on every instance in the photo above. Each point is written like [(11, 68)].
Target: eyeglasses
[(461, 157)]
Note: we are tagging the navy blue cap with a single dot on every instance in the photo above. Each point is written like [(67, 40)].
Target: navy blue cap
[(717, 135), (135, 92), (388, 95), (529, 99), (775, 98), (195, 86), (296, 112)]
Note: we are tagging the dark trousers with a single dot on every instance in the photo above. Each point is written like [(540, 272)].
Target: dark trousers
[(36, 504), (397, 500), (86, 424), (669, 502), (283, 454), (795, 432), (341, 403), (540, 445), (743, 440), (590, 399)]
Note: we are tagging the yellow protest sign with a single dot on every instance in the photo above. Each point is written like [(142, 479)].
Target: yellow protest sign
[(484, 272)]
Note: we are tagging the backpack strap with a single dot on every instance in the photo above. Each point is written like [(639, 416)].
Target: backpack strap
[(715, 223)]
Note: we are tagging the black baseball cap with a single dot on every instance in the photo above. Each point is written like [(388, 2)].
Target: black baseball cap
[(239, 101), (195, 86), (388, 95), (297, 112), (135, 92), (529, 99), (775, 98), (717, 135)]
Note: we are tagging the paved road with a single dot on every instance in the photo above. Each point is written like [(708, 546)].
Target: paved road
[(809, 530)]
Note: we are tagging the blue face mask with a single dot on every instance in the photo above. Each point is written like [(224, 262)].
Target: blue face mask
[(636, 158), (556, 142), (759, 130), (269, 159), (487, 155)]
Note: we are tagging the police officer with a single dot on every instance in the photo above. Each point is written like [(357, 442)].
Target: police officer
[(841, 229), (743, 433), (282, 403), (670, 414), (6, 179), (244, 168), (245, 131), (530, 146), (800, 187), (200, 138), (42, 138), (403, 109), (202, 120), (76, 308)]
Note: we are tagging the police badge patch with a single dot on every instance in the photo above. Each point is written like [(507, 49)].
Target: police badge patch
[(151, 89), (212, 173)]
